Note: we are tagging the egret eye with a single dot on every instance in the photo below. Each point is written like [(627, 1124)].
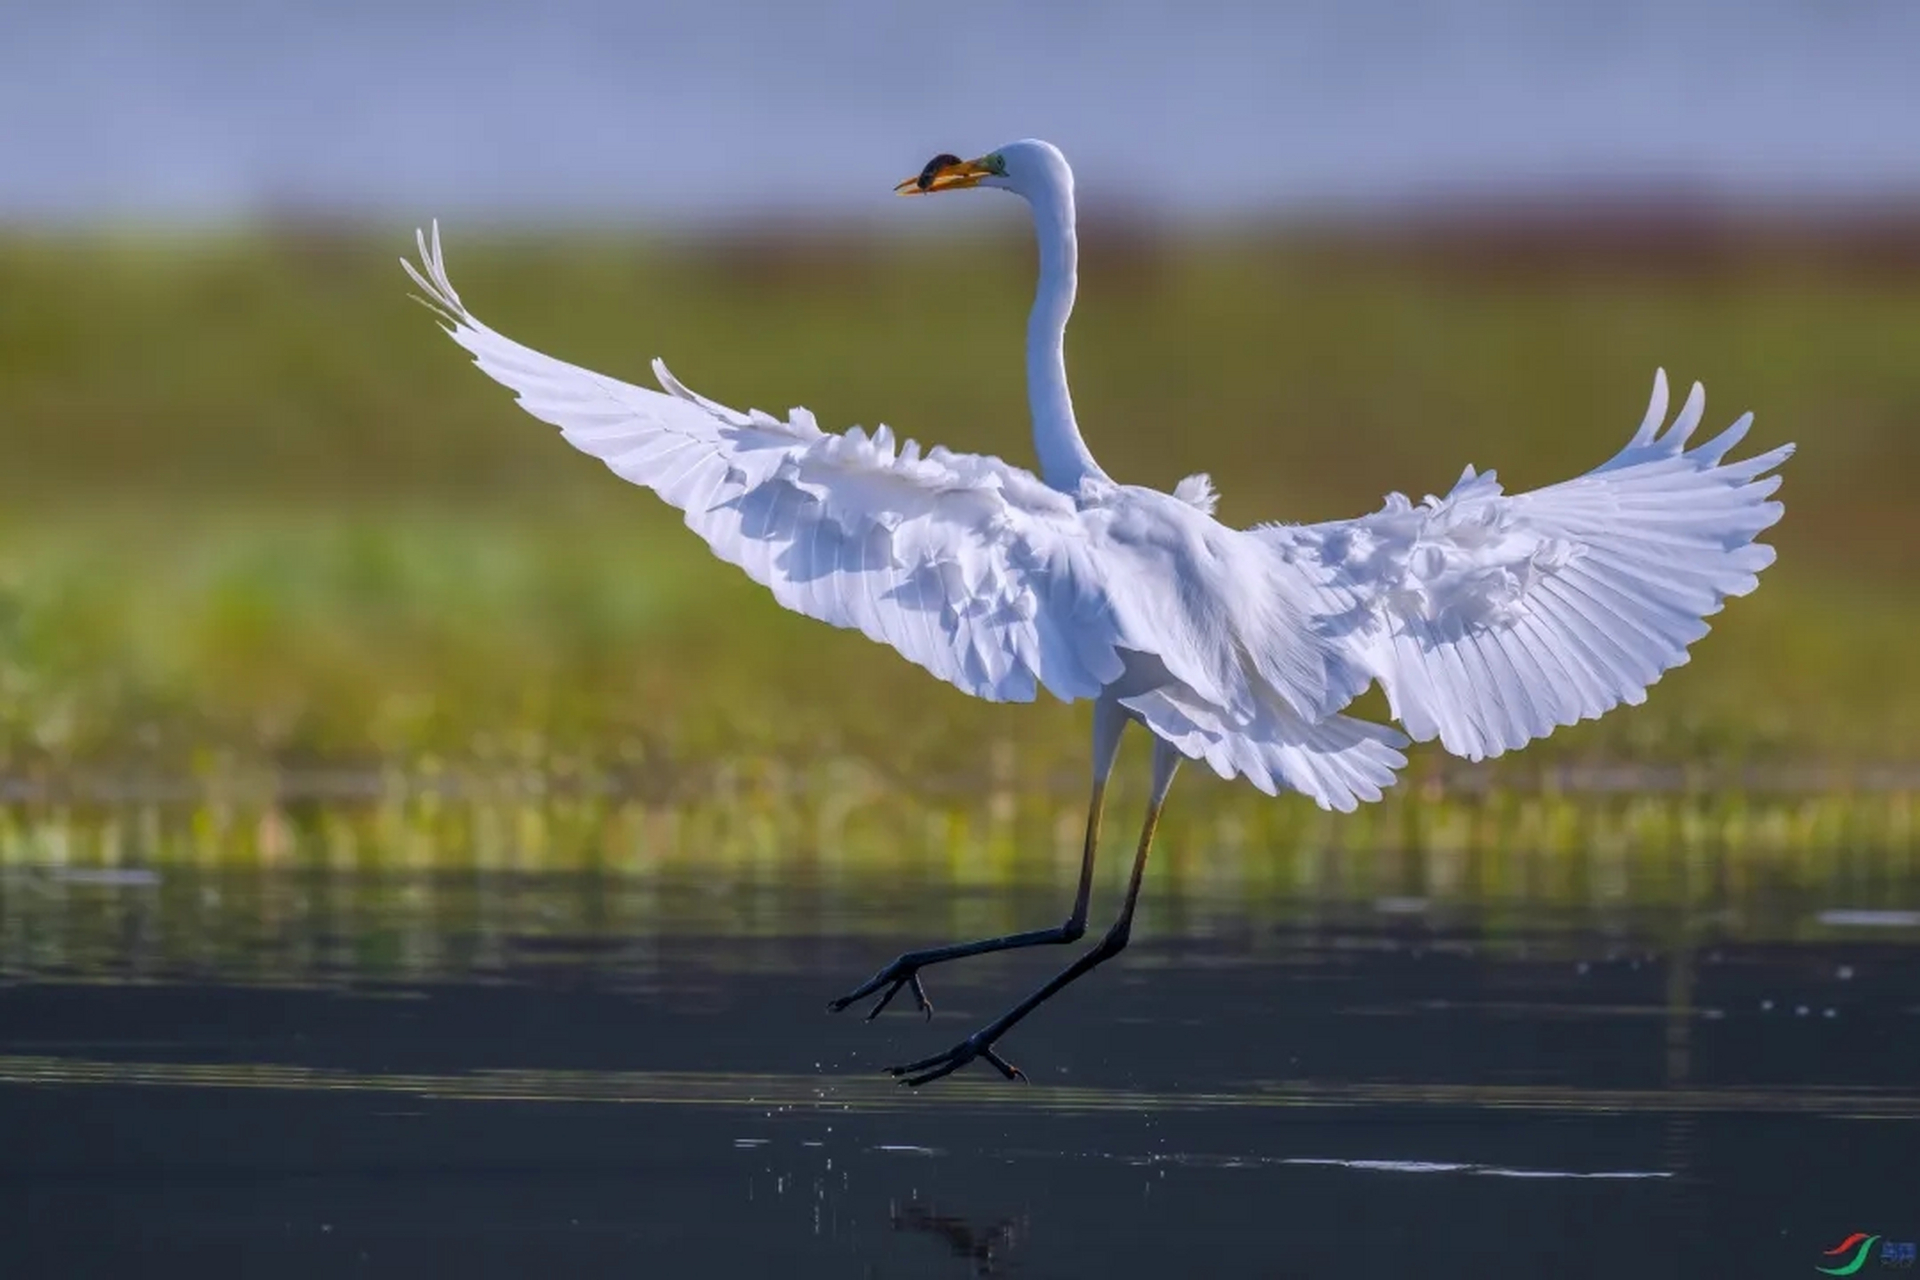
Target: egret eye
[(997, 163)]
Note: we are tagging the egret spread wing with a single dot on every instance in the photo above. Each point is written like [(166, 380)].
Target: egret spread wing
[(968, 567), (1491, 619)]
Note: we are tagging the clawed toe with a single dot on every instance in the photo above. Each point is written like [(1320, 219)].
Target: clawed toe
[(1004, 1067), (926, 1070), (912, 982), (909, 980)]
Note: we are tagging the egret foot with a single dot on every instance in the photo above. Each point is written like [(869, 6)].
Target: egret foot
[(1108, 721), (904, 972), (977, 1045)]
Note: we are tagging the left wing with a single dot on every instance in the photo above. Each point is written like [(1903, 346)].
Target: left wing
[(966, 566), (1491, 619)]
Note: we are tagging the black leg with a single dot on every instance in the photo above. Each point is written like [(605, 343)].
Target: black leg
[(980, 1043), (904, 971)]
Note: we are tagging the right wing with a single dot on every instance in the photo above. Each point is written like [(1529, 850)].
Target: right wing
[(968, 567)]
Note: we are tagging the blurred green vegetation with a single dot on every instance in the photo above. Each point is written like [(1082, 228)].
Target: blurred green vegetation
[(270, 883), (255, 512)]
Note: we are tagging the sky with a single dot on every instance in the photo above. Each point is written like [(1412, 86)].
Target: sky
[(213, 111)]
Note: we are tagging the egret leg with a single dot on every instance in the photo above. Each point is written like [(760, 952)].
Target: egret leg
[(904, 971), (981, 1043)]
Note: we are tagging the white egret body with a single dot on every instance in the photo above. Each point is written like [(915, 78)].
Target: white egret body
[(1489, 619)]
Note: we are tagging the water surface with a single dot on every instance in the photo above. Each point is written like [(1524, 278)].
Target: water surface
[(297, 1070)]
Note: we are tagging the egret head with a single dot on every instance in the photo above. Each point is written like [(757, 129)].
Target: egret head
[(1025, 168)]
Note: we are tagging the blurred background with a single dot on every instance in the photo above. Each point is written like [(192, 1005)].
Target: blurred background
[(387, 791), (257, 517)]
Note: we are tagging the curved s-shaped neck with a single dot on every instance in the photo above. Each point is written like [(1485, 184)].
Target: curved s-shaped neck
[(1064, 458)]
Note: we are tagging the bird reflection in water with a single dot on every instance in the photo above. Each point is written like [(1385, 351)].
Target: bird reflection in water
[(987, 1247)]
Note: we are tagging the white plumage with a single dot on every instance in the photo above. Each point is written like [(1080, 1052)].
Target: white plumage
[(1493, 619), (1489, 619)]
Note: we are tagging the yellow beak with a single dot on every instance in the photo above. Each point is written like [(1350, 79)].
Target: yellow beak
[(944, 173)]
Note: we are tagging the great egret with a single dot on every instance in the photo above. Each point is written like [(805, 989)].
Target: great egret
[(1489, 619)]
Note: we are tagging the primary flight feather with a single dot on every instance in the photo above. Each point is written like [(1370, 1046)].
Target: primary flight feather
[(1488, 618)]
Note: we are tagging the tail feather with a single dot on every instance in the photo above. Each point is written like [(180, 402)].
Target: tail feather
[(1338, 762)]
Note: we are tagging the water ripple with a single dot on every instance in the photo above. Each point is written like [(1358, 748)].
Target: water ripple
[(794, 1092)]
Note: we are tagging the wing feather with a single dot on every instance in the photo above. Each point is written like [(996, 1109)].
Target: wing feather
[(966, 566), (1492, 619)]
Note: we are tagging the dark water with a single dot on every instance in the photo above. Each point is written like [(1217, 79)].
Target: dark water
[(314, 1073)]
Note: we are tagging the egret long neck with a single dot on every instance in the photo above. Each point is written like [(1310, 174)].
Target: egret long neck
[(1064, 458)]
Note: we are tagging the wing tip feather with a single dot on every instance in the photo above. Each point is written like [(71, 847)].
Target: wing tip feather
[(1656, 410)]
